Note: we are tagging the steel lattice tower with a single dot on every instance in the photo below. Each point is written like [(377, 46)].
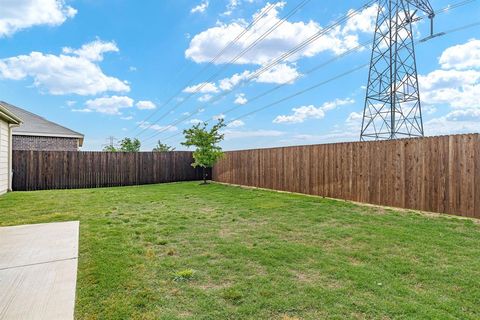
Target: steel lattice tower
[(392, 104)]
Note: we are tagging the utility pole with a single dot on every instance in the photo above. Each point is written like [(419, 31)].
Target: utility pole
[(110, 142), (392, 104)]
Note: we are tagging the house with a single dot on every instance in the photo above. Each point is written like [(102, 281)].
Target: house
[(8, 121), (39, 134)]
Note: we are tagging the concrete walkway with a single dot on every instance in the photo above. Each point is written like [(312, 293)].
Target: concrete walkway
[(38, 271)]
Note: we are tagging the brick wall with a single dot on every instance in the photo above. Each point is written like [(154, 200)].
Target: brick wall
[(44, 143)]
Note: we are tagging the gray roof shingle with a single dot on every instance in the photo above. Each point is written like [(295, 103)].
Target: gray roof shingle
[(34, 125)]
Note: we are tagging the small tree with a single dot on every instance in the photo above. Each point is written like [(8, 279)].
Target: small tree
[(130, 145), (161, 147), (110, 148), (207, 151)]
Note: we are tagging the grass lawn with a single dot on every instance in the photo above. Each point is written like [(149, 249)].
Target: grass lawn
[(184, 251)]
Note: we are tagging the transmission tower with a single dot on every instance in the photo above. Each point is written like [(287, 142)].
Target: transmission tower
[(392, 104), (110, 142)]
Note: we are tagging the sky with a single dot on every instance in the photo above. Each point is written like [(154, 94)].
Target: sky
[(149, 69)]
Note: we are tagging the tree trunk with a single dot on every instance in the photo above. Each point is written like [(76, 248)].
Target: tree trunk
[(204, 175)]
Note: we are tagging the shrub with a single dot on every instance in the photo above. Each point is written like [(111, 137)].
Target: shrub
[(184, 275)]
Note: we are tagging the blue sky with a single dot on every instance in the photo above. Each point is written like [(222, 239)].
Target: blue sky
[(102, 67)]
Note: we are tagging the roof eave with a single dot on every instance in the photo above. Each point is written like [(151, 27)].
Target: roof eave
[(6, 115)]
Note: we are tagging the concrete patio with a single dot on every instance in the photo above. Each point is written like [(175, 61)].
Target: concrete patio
[(38, 271)]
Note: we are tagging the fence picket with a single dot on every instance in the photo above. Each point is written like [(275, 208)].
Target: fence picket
[(43, 170), (439, 174)]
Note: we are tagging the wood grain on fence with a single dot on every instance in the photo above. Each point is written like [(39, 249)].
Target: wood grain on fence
[(437, 174), (43, 170)]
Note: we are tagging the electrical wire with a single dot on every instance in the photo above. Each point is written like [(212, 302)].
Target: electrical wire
[(322, 83), (277, 61), (227, 65), (212, 61), (446, 9)]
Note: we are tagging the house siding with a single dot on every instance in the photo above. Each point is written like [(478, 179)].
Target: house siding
[(4, 155), (33, 143)]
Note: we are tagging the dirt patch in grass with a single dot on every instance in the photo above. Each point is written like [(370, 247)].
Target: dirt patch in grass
[(214, 286)]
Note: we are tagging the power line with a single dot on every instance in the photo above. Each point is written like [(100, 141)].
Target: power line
[(314, 69), (446, 9), (227, 65), (322, 83), (339, 76), (189, 82), (270, 65), (292, 96)]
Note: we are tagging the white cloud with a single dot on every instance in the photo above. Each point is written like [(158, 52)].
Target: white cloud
[(300, 114), (71, 103), (462, 56), (459, 89), (205, 45), (93, 51), (126, 118), (240, 99), (444, 79), (145, 105), (84, 110), (311, 112), (331, 105), (156, 127), (456, 121), (229, 83), (16, 15), (348, 131), (236, 124), (241, 134), (279, 74), (204, 87), (73, 72), (201, 8), (456, 87), (109, 105), (195, 121), (205, 98), (234, 4), (355, 118), (457, 84), (363, 22), (231, 6)]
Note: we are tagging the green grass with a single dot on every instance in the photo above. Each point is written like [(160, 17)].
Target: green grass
[(185, 251)]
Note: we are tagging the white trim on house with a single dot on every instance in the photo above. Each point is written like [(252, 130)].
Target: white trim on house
[(9, 117), (10, 153), (7, 122)]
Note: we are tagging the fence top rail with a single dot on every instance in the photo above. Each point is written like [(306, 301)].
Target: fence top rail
[(361, 142), (103, 152)]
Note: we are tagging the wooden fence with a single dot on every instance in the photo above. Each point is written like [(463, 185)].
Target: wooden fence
[(438, 174), (43, 170)]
